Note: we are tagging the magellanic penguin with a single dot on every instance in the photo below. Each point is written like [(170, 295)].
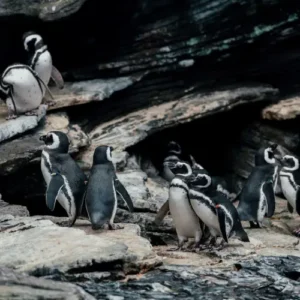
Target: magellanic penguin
[(22, 90), (65, 180), (257, 197), (290, 184), (174, 154), (186, 222), (215, 209), (101, 193), (40, 59)]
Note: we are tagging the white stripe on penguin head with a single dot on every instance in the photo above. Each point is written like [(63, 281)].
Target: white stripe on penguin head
[(266, 156), (30, 37), (108, 154), (295, 160), (55, 143)]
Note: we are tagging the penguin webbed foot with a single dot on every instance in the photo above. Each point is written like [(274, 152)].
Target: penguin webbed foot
[(179, 248), (11, 117), (50, 103), (32, 113), (112, 226), (68, 223), (254, 225)]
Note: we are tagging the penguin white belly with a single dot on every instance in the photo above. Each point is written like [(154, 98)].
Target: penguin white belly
[(262, 206), (288, 191), (43, 67), (45, 171), (27, 94), (185, 220), (206, 215)]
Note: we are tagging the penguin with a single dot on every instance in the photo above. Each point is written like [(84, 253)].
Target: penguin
[(217, 182), (215, 210), (174, 167), (65, 180), (40, 59), (174, 154), (186, 222), (22, 90), (257, 197), (290, 184), (103, 185)]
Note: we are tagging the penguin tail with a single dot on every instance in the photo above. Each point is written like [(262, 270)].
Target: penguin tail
[(242, 236)]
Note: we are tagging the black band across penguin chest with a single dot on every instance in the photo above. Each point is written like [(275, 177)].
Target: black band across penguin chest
[(203, 200)]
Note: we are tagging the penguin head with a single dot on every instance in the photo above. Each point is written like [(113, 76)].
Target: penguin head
[(290, 163), (31, 40), (179, 168), (200, 180), (266, 155), (102, 155), (174, 148), (56, 141)]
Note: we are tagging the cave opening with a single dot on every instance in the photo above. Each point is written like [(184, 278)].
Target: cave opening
[(216, 142)]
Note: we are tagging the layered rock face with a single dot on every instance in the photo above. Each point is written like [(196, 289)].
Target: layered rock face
[(217, 76)]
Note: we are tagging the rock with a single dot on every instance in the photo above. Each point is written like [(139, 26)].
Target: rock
[(285, 109), (13, 210), (82, 92), (17, 153), (51, 249), (127, 131), (11, 128), (49, 11), (263, 278), (260, 134), (14, 285)]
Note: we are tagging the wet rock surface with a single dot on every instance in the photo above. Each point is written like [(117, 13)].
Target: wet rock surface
[(15, 285), (261, 278)]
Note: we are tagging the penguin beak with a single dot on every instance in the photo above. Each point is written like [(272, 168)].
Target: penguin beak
[(43, 138)]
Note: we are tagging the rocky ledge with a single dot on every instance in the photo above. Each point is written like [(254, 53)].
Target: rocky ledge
[(52, 249)]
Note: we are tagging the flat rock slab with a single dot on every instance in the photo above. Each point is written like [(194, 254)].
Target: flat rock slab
[(39, 247), (11, 128), (285, 109), (127, 131), (44, 10), (82, 92), (15, 285)]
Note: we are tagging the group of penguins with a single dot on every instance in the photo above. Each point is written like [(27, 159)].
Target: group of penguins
[(23, 86), (204, 210), (200, 204)]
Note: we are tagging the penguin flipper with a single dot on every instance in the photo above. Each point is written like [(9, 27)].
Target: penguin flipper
[(120, 189), (290, 207), (57, 78), (222, 222), (163, 211), (55, 186), (270, 197)]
